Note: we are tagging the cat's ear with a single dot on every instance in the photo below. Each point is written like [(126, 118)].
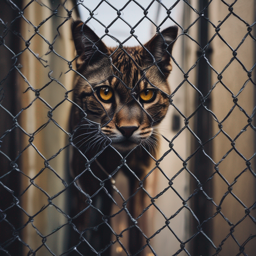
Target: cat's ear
[(89, 46), (160, 46)]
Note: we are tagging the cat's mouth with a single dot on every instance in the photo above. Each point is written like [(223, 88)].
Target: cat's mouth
[(127, 138), (124, 147), (125, 144)]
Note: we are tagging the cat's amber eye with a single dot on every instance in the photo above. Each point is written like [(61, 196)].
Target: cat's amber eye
[(105, 94), (148, 95)]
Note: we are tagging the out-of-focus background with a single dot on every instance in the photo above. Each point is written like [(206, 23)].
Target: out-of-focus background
[(204, 187)]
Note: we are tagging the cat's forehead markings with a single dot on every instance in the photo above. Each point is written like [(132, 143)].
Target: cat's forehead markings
[(102, 83), (94, 81), (131, 51), (145, 85), (113, 81), (95, 77)]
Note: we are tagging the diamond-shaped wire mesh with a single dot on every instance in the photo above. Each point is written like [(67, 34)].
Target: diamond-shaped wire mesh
[(91, 162)]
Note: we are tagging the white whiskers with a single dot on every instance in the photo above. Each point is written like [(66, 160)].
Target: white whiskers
[(89, 136), (151, 142)]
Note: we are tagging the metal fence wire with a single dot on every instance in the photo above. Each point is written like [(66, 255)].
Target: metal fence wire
[(84, 170)]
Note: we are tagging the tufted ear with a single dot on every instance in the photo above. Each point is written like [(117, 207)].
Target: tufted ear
[(160, 46), (89, 46)]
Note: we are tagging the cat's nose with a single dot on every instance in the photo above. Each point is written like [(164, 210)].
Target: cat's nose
[(127, 131)]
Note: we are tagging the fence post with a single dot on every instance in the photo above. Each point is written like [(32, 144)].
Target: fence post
[(10, 144), (203, 128)]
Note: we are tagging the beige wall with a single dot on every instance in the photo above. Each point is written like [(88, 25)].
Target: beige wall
[(51, 139), (233, 31), (234, 77)]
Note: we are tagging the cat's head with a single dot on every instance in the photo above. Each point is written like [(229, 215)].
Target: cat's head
[(124, 89)]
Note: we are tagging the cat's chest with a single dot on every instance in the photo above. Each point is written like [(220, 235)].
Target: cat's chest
[(137, 162)]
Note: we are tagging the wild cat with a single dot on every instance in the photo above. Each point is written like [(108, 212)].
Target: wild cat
[(120, 96)]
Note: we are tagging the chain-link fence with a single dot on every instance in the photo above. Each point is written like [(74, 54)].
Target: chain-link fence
[(91, 161)]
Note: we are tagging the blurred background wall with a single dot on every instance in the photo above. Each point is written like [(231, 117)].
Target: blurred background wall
[(205, 184)]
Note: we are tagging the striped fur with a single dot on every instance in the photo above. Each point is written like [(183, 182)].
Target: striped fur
[(126, 71)]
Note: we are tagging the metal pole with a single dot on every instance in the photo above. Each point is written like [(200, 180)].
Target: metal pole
[(203, 128)]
